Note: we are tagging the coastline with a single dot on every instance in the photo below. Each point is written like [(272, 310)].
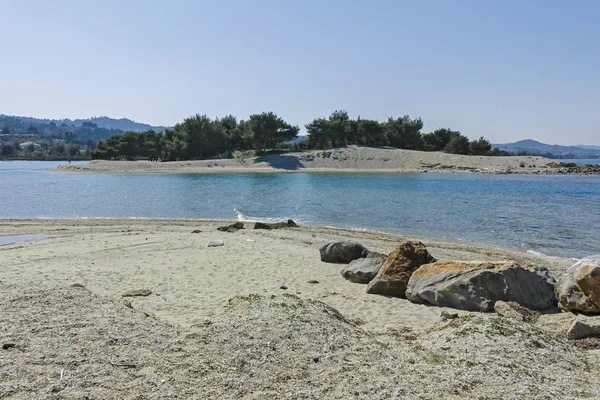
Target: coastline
[(351, 159), (261, 306)]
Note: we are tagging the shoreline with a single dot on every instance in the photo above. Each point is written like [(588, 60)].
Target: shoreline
[(6, 223), (264, 297), (351, 159)]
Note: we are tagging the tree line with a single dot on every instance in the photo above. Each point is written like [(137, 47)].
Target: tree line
[(200, 137)]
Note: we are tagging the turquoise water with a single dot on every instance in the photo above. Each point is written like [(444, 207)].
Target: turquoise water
[(555, 215)]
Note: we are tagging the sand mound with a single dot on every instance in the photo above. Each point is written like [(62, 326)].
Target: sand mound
[(269, 347), (348, 159)]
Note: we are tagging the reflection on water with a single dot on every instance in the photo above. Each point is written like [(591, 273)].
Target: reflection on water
[(20, 239)]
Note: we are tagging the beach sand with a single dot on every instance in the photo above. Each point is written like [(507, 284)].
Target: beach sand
[(193, 338), (191, 282), (351, 159)]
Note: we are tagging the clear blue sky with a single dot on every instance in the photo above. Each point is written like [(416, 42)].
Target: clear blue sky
[(506, 70)]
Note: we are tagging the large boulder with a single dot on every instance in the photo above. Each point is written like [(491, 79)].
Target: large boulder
[(363, 270), (399, 266), (579, 288), (477, 286), (342, 252)]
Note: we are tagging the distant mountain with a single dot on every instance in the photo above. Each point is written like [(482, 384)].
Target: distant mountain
[(123, 124), (552, 150), (585, 146), (298, 139)]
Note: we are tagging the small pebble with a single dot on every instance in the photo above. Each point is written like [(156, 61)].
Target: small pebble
[(283, 287)]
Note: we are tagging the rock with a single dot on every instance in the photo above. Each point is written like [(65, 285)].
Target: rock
[(196, 231), (283, 287), (313, 281), (579, 288), (363, 270), (399, 266), (276, 225), (448, 315), (504, 309), (584, 326), (138, 293), (477, 286), (342, 252), (232, 228), (7, 346)]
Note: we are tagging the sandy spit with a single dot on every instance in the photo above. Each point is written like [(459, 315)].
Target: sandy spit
[(260, 317), (351, 159)]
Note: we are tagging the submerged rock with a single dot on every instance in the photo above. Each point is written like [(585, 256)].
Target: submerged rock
[(363, 270), (342, 252), (399, 266), (477, 286), (579, 288)]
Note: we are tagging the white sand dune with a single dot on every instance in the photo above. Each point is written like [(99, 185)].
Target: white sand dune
[(346, 159)]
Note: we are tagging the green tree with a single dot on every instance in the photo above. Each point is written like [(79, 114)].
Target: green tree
[(339, 128), (459, 144), (438, 139), (73, 150), (269, 130), (7, 150), (369, 133), (129, 146), (404, 133), (5, 130), (318, 133), (60, 148), (480, 147)]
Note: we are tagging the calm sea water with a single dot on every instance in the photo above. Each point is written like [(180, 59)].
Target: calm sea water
[(555, 215)]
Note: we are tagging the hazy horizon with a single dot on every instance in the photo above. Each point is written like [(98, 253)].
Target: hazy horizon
[(506, 71)]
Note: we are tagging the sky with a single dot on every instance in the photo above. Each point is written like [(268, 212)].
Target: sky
[(506, 70)]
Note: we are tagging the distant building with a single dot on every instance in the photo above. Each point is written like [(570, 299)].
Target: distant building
[(27, 144)]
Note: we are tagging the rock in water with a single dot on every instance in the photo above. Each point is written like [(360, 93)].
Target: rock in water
[(342, 252), (399, 266), (583, 327), (363, 270), (579, 288), (477, 286)]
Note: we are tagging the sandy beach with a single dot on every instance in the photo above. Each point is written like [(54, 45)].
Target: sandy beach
[(191, 281), (351, 159), (193, 286)]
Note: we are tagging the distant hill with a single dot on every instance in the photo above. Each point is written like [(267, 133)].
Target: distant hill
[(123, 124), (551, 150), (298, 139)]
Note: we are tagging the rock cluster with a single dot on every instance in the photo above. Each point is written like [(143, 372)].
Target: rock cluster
[(511, 290)]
